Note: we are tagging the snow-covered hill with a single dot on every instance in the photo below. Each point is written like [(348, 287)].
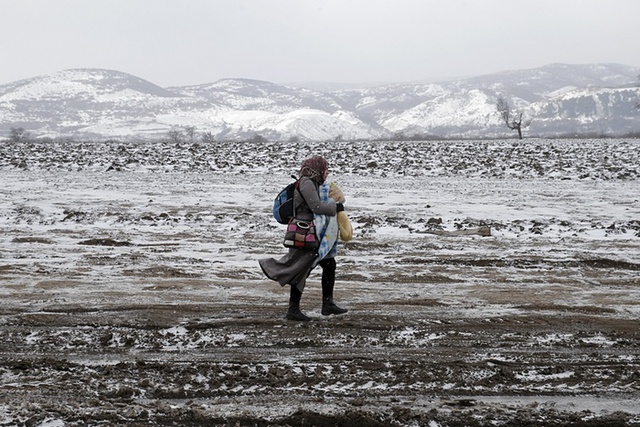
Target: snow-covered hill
[(90, 103), (101, 104)]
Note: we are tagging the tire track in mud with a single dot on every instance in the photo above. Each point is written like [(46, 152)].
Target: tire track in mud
[(363, 357)]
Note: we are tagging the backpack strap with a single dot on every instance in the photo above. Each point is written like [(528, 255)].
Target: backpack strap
[(298, 189)]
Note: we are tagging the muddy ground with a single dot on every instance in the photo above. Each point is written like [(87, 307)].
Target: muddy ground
[(134, 298)]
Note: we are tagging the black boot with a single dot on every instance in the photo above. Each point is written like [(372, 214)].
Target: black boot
[(329, 307), (294, 313), (328, 280)]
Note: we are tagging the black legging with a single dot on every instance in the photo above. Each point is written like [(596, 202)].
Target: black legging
[(328, 280), (328, 277)]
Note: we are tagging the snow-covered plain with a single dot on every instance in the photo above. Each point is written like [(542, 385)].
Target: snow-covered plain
[(129, 277)]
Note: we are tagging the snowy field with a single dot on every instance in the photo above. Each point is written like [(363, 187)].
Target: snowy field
[(132, 293)]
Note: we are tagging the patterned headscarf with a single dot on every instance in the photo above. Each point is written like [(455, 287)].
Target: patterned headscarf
[(314, 167)]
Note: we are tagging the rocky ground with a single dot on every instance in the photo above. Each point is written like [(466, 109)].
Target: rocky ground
[(132, 295)]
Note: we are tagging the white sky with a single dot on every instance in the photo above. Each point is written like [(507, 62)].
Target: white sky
[(183, 42)]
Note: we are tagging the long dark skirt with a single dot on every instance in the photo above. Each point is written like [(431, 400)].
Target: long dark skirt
[(292, 269)]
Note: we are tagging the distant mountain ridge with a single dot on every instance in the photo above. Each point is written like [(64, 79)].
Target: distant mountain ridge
[(561, 99)]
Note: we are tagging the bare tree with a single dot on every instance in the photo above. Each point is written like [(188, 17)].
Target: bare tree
[(208, 138), (513, 120), (191, 132), (176, 136), (18, 134)]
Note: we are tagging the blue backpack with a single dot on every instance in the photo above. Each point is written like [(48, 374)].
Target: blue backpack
[(283, 203)]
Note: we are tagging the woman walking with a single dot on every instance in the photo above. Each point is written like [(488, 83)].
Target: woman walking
[(294, 268)]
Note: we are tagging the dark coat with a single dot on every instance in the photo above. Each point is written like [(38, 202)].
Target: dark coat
[(294, 268)]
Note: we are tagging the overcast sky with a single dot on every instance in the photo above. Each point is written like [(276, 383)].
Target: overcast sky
[(184, 42)]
